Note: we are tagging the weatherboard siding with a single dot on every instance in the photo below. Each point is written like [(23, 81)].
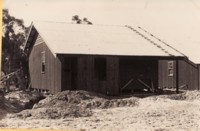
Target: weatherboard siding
[(50, 79)]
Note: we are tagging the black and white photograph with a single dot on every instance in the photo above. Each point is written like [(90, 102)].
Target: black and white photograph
[(100, 65)]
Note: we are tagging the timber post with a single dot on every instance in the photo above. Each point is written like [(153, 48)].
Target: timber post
[(177, 76)]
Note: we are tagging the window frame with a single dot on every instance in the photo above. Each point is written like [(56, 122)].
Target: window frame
[(170, 68), (43, 62)]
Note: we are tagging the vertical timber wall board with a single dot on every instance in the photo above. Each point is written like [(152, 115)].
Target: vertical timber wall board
[(188, 75), (49, 80), (199, 77), (90, 73), (85, 74), (112, 75), (81, 73), (164, 79), (57, 72), (35, 67), (87, 79)]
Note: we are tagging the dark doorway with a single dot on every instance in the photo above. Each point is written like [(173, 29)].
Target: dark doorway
[(100, 68), (138, 74), (69, 73)]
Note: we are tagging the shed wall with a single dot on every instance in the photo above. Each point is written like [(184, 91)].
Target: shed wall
[(51, 78), (87, 77), (188, 75), (164, 79), (199, 77)]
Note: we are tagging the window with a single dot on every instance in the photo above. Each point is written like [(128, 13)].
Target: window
[(43, 62), (171, 72), (170, 64), (170, 68), (100, 68)]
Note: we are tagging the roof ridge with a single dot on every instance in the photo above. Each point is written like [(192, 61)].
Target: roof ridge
[(162, 41), (47, 21), (71, 23), (148, 39)]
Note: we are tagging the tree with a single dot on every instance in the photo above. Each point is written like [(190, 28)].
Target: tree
[(13, 37), (86, 21), (76, 19), (79, 21)]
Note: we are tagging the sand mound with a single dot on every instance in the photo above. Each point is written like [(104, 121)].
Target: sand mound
[(74, 104), (153, 112), (81, 103), (186, 95), (85, 99)]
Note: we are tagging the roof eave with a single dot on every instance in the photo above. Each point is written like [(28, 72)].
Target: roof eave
[(28, 36)]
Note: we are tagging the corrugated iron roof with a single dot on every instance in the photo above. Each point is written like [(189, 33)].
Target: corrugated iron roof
[(63, 38)]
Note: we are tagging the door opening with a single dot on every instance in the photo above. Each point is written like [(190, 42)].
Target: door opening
[(69, 73)]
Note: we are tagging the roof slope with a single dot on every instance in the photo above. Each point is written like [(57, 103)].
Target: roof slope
[(63, 38)]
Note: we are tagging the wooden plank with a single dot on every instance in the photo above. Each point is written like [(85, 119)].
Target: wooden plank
[(81, 73), (89, 72), (177, 76), (143, 83), (129, 82), (188, 75), (92, 73), (35, 67), (112, 86), (164, 79), (58, 75), (198, 77), (116, 74)]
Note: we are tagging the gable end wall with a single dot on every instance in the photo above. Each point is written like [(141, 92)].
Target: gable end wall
[(51, 79)]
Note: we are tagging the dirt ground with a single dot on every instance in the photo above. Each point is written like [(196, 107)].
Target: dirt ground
[(81, 110)]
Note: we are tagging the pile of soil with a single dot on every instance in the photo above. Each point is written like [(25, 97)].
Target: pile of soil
[(153, 112), (81, 103), (74, 104)]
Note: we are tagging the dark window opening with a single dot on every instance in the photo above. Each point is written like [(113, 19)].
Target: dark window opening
[(43, 67), (100, 68), (43, 62)]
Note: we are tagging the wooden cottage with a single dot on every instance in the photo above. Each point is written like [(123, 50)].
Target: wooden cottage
[(105, 59)]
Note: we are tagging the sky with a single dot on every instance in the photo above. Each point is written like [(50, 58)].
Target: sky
[(174, 21)]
